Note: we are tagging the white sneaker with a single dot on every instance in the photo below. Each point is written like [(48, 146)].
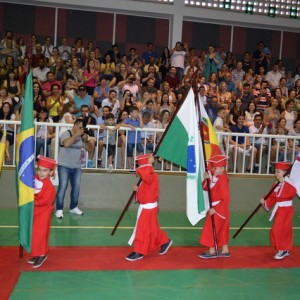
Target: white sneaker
[(110, 168), (76, 211), (281, 254), (59, 214)]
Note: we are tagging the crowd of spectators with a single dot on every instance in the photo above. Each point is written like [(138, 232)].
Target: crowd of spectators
[(143, 90)]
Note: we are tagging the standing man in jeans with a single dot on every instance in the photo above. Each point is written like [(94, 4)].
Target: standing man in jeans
[(69, 169)]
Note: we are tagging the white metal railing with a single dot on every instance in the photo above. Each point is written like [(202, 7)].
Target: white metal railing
[(274, 148)]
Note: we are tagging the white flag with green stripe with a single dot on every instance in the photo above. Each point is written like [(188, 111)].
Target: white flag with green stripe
[(181, 145)]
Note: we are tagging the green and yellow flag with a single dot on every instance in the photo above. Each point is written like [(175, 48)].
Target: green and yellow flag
[(2, 149), (25, 168)]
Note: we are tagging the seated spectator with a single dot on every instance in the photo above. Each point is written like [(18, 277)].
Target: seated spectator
[(39, 99), (148, 54), (212, 109), (70, 88), (231, 88), (273, 77), (37, 57), (237, 74), (183, 90), (296, 142), (173, 79), (147, 137), (165, 89), (280, 146), (250, 114), (13, 87), (55, 102), (101, 92), (150, 89), (149, 106), (83, 99), (119, 78), (241, 144), (272, 115), (59, 71), (164, 104), (153, 64), (47, 85), (289, 114), (263, 100), (88, 119), (224, 96), (220, 126), (4, 98), (164, 62), (236, 111), (90, 77), (75, 71), (67, 116), (260, 143), (52, 59), (246, 95), (151, 74), (281, 123), (134, 145), (281, 100), (6, 113), (213, 82), (283, 87), (230, 61), (40, 71), (109, 138), (43, 133), (107, 67), (112, 102), (132, 86)]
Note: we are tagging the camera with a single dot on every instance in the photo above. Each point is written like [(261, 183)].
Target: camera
[(132, 79), (85, 131), (130, 95)]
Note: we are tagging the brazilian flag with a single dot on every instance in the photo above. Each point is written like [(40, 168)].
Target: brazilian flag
[(25, 167)]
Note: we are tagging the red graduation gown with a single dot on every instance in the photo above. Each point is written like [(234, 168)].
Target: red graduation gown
[(149, 236), (43, 206), (281, 234), (219, 192)]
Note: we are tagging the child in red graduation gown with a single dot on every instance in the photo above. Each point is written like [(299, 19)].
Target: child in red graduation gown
[(281, 234), (219, 188), (44, 197), (147, 235)]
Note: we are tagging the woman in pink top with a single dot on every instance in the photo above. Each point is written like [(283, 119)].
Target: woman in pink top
[(90, 77)]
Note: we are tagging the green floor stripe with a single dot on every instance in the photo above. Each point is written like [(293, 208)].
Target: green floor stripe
[(95, 226), (179, 284)]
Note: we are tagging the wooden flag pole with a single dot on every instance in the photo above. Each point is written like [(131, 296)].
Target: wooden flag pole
[(260, 205), (139, 182)]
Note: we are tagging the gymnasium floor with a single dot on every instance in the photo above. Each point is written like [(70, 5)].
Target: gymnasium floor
[(86, 262)]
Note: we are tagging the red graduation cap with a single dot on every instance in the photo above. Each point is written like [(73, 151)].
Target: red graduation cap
[(46, 162), (143, 159), (218, 161), (282, 165)]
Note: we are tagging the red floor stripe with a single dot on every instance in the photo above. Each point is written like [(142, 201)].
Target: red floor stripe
[(113, 258)]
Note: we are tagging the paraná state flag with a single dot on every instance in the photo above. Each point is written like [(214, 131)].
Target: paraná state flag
[(182, 145)]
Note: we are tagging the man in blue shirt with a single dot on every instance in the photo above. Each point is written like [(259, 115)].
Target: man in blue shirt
[(133, 136), (241, 144)]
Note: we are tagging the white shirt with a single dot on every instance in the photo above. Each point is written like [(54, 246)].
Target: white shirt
[(115, 107), (40, 74), (273, 78), (177, 59)]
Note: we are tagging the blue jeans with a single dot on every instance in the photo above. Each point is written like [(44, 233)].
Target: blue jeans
[(64, 175), (40, 145)]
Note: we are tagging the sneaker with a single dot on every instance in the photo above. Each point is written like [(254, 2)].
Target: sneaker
[(32, 260), (110, 168), (99, 163), (281, 254), (76, 211), (256, 169), (133, 256), (59, 214), (165, 247), (227, 254), (207, 255), (90, 164), (39, 261)]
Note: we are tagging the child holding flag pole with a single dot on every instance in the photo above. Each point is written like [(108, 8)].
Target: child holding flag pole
[(44, 197), (219, 189), (281, 198)]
